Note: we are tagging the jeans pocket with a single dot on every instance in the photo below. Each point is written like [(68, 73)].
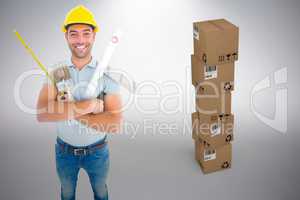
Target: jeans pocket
[(101, 152)]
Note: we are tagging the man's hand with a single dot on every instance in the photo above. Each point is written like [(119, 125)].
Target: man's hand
[(98, 106), (63, 96)]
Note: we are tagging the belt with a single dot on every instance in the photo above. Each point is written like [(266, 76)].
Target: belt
[(77, 151)]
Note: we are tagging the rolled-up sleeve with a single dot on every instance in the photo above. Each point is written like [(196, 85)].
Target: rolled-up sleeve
[(110, 85)]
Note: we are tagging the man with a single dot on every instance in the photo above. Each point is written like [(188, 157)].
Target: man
[(81, 140)]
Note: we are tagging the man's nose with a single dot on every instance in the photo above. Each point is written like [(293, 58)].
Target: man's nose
[(80, 39)]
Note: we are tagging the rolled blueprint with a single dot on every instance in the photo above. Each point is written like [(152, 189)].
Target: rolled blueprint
[(101, 67)]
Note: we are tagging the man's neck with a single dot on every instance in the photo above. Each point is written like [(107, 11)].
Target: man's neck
[(81, 62)]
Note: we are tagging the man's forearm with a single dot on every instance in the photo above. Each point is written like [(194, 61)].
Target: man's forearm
[(103, 122), (61, 111)]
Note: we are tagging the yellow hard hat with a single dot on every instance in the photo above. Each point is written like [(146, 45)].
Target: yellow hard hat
[(80, 15)]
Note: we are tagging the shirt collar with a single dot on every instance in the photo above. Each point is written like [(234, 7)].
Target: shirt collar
[(92, 63)]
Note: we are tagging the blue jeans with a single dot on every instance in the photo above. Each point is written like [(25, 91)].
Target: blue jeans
[(96, 164)]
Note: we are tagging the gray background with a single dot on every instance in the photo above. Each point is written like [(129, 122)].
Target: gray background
[(156, 45)]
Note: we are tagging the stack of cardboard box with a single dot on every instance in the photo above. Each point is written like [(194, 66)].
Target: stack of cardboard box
[(215, 51)]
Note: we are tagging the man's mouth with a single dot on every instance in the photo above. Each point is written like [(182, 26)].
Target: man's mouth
[(81, 47)]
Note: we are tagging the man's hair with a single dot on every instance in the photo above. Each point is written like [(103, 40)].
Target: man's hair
[(67, 27)]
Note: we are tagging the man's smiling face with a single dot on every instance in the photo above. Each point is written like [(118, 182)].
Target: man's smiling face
[(80, 38)]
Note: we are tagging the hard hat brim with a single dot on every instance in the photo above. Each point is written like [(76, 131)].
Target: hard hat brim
[(66, 26)]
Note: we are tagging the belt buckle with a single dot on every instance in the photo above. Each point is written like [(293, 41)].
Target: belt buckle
[(80, 151)]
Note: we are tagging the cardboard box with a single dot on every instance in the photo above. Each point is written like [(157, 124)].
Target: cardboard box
[(216, 41), (195, 125), (213, 97), (213, 159), (214, 130), (202, 72)]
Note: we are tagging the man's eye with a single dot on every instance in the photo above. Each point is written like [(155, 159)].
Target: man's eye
[(87, 34)]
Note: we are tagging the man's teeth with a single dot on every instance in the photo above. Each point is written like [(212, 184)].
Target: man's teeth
[(80, 47)]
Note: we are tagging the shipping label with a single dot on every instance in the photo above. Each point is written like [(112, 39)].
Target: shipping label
[(210, 72), (210, 154)]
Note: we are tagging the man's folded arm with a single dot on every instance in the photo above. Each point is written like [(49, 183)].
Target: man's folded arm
[(50, 110), (110, 119)]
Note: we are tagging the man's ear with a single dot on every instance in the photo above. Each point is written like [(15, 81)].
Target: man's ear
[(66, 35)]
